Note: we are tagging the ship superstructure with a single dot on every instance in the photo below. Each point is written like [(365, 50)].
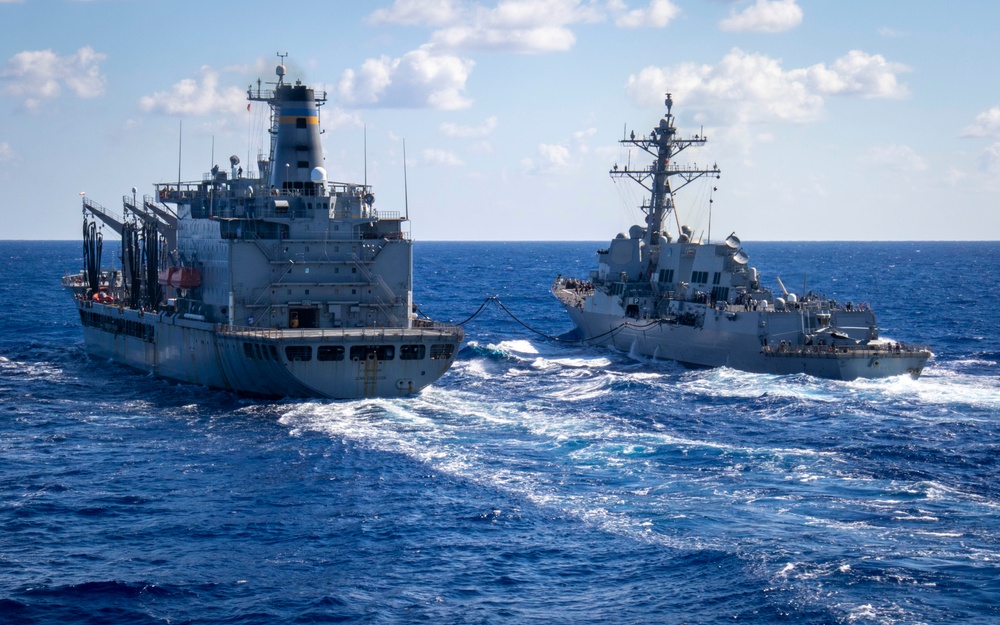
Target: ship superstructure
[(282, 284), (672, 296)]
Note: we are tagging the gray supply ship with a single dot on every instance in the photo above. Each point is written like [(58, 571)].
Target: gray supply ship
[(285, 284), (672, 296)]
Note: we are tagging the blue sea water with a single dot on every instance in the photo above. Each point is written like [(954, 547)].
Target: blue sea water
[(537, 482)]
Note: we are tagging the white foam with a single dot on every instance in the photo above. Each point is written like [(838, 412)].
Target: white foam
[(581, 391), (517, 429), (518, 346), (40, 370), (465, 435)]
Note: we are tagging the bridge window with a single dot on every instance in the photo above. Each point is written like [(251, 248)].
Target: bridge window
[(330, 352), (699, 277), (301, 353), (373, 352), (720, 293), (442, 351), (412, 352)]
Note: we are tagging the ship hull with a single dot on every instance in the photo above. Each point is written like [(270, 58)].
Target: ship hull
[(325, 363), (734, 339), (681, 297)]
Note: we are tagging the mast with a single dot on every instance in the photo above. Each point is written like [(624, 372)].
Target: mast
[(662, 144), (295, 141)]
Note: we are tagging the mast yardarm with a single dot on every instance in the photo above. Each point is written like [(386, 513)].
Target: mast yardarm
[(662, 144)]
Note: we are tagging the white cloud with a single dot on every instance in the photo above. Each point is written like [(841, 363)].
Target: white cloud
[(481, 147), (417, 12), (555, 158), (519, 40), (986, 170), (191, 97), (749, 88), (418, 79), (954, 177), (557, 155), (551, 158), (532, 13), (987, 124), (889, 33), (469, 132), (658, 14), (742, 87), (6, 152), (765, 16), (433, 156), (518, 26), (901, 158), (37, 75), (860, 73), (581, 137), (339, 118), (989, 159)]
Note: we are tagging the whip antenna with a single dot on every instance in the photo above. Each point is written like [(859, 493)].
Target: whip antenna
[(180, 143), (406, 195)]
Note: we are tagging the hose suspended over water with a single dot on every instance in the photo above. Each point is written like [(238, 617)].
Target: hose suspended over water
[(500, 306)]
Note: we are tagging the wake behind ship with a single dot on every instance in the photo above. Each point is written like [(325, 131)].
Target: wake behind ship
[(675, 297), (285, 284)]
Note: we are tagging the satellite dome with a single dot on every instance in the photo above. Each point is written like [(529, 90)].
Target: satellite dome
[(318, 174)]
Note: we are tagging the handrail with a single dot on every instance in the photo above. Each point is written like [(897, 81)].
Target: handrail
[(436, 329), (834, 351)]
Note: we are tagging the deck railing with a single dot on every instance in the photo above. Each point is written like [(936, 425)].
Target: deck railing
[(422, 329)]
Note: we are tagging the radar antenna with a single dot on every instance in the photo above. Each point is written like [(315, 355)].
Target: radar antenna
[(280, 69), (663, 145)]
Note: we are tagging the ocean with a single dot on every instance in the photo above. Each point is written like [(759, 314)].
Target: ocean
[(538, 481)]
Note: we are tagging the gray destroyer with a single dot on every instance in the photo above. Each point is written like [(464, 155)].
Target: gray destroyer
[(672, 296), (284, 284)]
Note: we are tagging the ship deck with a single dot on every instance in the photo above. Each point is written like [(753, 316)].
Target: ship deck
[(421, 330), (884, 350)]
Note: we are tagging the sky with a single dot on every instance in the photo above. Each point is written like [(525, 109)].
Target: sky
[(847, 120)]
